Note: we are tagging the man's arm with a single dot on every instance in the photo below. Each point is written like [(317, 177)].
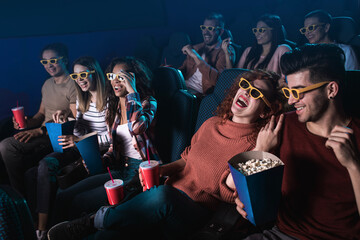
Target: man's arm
[(341, 141), (38, 118), (73, 109)]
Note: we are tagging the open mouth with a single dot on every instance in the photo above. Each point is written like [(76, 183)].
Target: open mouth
[(83, 84), (299, 109), (206, 37), (242, 102), (117, 88)]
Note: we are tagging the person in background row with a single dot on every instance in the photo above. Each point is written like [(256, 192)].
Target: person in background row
[(90, 117), (26, 148), (196, 183), (268, 47), (316, 30), (205, 61)]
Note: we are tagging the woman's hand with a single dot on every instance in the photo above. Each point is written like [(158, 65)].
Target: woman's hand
[(60, 116), (240, 206), (130, 81), (67, 141), (268, 137), (142, 180), (225, 45)]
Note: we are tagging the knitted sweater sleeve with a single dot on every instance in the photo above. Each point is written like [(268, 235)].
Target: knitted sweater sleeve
[(194, 139), (226, 193)]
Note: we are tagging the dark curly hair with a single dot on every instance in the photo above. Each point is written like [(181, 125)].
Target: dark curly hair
[(224, 109), (143, 77)]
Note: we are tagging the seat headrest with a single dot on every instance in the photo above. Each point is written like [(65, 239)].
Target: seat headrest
[(343, 29), (178, 40), (166, 81)]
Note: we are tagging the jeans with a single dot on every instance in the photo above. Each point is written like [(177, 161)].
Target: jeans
[(163, 206), (19, 156), (89, 194), (48, 167)]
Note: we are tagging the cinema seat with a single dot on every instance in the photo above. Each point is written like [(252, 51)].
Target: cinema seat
[(176, 113), (345, 30), (352, 85), (15, 218), (209, 103)]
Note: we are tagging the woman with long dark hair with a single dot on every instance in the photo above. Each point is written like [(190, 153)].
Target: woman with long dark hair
[(130, 113), (268, 47)]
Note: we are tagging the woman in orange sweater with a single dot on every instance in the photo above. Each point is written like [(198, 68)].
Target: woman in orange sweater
[(196, 183)]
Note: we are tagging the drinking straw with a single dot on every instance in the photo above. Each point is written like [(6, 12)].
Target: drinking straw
[(110, 174), (148, 155)]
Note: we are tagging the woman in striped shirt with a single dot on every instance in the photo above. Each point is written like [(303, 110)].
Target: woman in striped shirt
[(130, 113), (91, 108)]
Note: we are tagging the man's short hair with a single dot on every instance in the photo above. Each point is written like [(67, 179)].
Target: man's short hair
[(218, 17), (325, 62), (321, 15), (60, 48)]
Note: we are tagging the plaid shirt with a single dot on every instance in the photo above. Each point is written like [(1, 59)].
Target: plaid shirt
[(139, 115)]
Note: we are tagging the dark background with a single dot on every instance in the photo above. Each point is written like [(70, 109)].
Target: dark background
[(107, 28)]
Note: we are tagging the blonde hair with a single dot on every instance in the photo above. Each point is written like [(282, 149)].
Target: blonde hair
[(84, 98)]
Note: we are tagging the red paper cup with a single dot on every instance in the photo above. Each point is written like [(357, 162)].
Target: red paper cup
[(150, 173), (114, 191), (19, 116)]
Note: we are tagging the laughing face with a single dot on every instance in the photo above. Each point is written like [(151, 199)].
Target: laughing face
[(246, 109), (57, 69), (265, 37), (311, 105), (85, 84), (319, 35), (117, 85), (211, 37)]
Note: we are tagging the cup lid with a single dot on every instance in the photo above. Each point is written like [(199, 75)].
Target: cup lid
[(146, 164), (116, 183), (17, 108)]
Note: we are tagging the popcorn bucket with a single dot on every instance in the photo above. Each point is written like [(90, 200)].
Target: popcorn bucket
[(260, 191)]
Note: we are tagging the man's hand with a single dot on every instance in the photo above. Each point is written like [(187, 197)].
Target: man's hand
[(16, 125), (187, 50), (25, 136), (341, 141)]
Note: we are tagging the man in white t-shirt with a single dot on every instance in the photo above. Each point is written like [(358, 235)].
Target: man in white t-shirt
[(316, 29), (206, 60)]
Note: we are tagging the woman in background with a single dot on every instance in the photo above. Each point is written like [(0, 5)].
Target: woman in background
[(268, 47)]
